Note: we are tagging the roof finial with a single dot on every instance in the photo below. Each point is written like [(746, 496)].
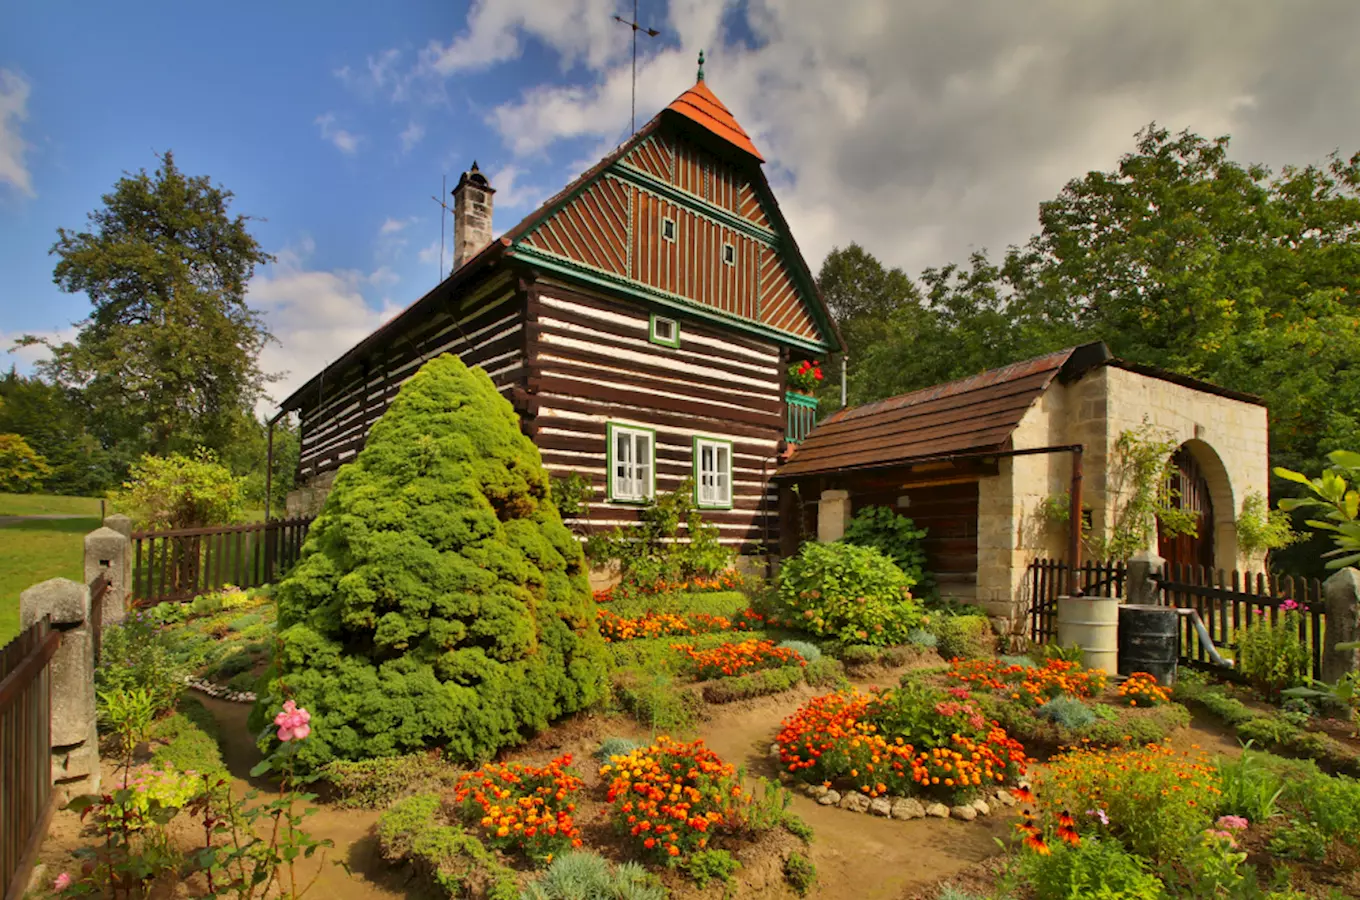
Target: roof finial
[(701, 65)]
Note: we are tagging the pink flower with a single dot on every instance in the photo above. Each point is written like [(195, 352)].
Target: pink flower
[(1232, 823), (1290, 604), (62, 883), (292, 722)]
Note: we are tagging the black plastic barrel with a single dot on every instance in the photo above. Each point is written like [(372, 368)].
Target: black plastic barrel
[(1149, 641)]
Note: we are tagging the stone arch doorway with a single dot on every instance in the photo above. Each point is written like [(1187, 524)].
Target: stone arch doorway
[(1200, 482)]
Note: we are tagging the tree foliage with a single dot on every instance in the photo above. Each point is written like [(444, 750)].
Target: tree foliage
[(1336, 495), (21, 469), (52, 420), (439, 599), (179, 491), (168, 356)]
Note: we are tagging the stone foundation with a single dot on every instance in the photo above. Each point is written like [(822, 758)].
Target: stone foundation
[(307, 500)]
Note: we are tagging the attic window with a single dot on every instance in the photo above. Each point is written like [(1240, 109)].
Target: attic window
[(665, 332), (668, 230), (729, 254)]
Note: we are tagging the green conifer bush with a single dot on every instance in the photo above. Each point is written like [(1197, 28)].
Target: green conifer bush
[(438, 600)]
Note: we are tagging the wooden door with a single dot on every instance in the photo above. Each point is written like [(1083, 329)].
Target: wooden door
[(1191, 492)]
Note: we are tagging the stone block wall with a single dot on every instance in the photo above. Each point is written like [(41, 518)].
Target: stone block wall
[(308, 499)]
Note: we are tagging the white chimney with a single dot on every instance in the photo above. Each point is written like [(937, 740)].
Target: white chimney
[(471, 215)]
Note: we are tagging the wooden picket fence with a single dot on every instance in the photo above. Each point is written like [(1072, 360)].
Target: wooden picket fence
[(25, 751), (1231, 602), (180, 564), (1050, 578)]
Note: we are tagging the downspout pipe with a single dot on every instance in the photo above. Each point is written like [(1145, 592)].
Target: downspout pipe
[(845, 359), (269, 464)]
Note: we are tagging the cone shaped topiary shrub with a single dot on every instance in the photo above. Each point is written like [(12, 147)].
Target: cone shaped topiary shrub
[(438, 599)]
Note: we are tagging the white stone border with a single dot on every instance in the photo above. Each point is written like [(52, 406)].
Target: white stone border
[(217, 691)]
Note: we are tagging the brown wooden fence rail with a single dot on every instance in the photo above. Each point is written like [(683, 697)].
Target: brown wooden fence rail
[(1050, 578), (25, 751), (1230, 602), (181, 564)]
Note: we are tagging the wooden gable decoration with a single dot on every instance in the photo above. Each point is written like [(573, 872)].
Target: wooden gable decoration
[(683, 218)]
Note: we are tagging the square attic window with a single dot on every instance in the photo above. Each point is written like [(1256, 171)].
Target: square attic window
[(668, 230), (729, 254), (665, 332)]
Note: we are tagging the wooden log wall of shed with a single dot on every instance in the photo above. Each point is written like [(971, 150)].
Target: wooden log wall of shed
[(487, 330), (590, 363)]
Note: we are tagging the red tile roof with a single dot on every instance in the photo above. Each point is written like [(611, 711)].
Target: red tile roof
[(701, 105)]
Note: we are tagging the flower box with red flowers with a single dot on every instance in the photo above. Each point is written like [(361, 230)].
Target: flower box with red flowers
[(804, 377)]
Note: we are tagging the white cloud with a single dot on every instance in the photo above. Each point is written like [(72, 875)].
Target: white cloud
[(14, 91), (579, 30), (927, 130), (512, 193), (413, 135), (346, 142), (25, 357), (394, 226), (315, 315)]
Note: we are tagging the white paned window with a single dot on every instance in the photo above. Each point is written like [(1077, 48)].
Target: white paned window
[(632, 463), (712, 473)]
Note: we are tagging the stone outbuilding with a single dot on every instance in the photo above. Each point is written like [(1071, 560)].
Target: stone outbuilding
[(977, 461)]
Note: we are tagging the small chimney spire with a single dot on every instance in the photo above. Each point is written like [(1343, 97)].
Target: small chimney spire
[(701, 65), (472, 210)]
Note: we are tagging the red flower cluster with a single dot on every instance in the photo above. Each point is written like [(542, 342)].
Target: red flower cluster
[(522, 807), (723, 581), (1142, 689), (804, 376), (834, 738), (652, 624), (735, 659), (1034, 686), (670, 798)]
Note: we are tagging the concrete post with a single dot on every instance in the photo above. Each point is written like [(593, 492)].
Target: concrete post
[(1139, 588), (110, 552), (75, 740), (833, 516), (1341, 598), (120, 523)]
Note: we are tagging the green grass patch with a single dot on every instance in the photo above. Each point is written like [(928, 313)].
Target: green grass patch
[(35, 551), (48, 505), (188, 740), (714, 603)]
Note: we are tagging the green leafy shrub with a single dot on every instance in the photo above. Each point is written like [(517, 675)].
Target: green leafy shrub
[(809, 652), (1271, 656), (825, 672), (848, 592), (582, 875), (438, 600), (1069, 712), (925, 716), (801, 873), (923, 638), (1297, 839), (127, 713), (179, 491), (206, 604), (233, 664), (1094, 868), (753, 684), (140, 654), (446, 855), (378, 783), (711, 865), (649, 552), (896, 537), (653, 699), (964, 637), (187, 740)]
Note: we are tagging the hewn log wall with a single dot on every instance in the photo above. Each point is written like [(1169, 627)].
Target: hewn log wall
[(590, 363), (487, 331)]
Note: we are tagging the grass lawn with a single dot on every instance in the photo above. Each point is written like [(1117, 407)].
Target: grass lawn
[(47, 504), (31, 552)]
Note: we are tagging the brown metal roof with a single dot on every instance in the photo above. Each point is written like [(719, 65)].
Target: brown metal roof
[(972, 415)]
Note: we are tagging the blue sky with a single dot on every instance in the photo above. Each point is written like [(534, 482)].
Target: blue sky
[(922, 130)]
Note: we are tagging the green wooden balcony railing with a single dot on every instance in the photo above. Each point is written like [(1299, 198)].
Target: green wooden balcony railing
[(802, 415)]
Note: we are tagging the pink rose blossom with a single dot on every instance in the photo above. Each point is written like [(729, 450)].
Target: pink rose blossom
[(292, 722), (62, 883), (1232, 823)]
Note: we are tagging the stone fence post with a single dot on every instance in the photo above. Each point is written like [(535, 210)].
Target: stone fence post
[(833, 515), (108, 550), (1341, 596), (75, 741), (1139, 587)]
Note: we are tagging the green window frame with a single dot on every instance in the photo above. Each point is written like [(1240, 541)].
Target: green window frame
[(712, 473), (630, 454), (657, 336)]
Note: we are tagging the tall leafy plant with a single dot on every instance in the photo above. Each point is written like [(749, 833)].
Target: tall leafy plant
[(1336, 496), (896, 537), (652, 550)]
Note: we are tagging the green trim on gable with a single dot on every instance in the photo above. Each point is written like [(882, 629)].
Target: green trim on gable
[(634, 290)]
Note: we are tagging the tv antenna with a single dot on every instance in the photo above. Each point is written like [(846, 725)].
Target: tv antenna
[(444, 207), (650, 32)]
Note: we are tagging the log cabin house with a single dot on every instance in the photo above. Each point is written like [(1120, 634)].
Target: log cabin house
[(641, 322)]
